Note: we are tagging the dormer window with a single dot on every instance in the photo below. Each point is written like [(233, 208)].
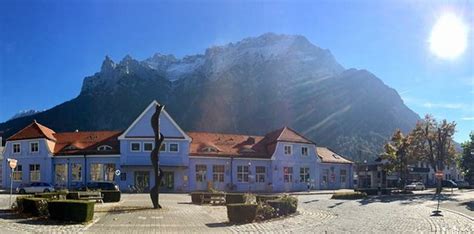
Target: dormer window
[(34, 147), (288, 149), (70, 147), (247, 150), (209, 149), (104, 148), (16, 148)]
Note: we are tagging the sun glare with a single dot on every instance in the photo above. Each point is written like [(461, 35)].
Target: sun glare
[(448, 37)]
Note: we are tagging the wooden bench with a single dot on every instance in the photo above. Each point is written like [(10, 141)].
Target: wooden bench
[(97, 196), (214, 199)]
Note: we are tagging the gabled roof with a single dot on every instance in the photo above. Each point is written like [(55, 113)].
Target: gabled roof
[(227, 145), (328, 156), (80, 143), (288, 135), (32, 131)]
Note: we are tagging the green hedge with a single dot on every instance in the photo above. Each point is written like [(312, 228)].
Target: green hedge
[(235, 198), (71, 210), (111, 196), (18, 206), (72, 196), (241, 213), (196, 197), (285, 205), (34, 206), (349, 195), (265, 198)]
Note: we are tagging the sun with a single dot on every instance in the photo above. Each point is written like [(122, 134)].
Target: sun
[(448, 37)]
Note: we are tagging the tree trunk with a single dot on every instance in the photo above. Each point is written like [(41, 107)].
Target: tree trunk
[(155, 157)]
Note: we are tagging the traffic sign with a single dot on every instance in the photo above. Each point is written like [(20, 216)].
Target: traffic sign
[(12, 163), (439, 174), (117, 172)]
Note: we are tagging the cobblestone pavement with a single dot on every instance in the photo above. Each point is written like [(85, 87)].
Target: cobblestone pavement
[(316, 213)]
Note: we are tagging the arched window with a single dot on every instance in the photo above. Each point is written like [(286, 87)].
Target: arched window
[(209, 149), (104, 148)]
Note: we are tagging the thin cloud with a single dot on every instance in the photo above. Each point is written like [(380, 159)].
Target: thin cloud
[(468, 118), (432, 105)]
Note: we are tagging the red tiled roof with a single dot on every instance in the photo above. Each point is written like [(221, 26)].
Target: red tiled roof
[(79, 143), (32, 131), (286, 134), (227, 145), (328, 156)]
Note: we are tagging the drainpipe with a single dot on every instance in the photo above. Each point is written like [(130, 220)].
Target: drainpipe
[(85, 171), (231, 172)]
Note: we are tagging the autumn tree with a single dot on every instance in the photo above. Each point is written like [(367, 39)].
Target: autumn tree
[(398, 154), (432, 142), (467, 159)]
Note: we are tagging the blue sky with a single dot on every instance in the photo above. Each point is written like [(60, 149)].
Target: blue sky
[(48, 47)]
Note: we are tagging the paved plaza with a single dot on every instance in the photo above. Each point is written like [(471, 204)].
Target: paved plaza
[(316, 213)]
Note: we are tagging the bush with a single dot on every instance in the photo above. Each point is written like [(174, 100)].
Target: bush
[(196, 197), (265, 198), (71, 210), (72, 196), (35, 206), (265, 212), (235, 198), (285, 205), (349, 195), (241, 213), (110, 196), (18, 205)]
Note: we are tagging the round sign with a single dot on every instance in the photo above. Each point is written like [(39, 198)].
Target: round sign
[(12, 163), (117, 172)]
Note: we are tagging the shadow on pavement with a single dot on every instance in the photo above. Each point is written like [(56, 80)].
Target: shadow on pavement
[(469, 205), (218, 225), (127, 209), (406, 199), (315, 200), (335, 204)]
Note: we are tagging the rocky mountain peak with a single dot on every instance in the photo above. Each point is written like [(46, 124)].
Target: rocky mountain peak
[(107, 65)]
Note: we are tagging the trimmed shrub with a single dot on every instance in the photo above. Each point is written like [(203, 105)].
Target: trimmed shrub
[(53, 195), (265, 212), (72, 196), (265, 198), (35, 206), (241, 213), (349, 195), (285, 205), (196, 197), (235, 198), (110, 196), (71, 210), (18, 205)]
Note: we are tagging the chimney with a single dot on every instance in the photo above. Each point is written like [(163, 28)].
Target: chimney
[(77, 130)]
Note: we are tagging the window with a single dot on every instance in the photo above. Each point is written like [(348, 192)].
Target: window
[(104, 148), (260, 174), (304, 151), (209, 149), (343, 175), (243, 173), (60, 174), (304, 174), (288, 149), (201, 171), (325, 176), (17, 173), (34, 147), (76, 172), (287, 174), (163, 147), (109, 170), (16, 148), (96, 171), (218, 173), (35, 172), (174, 147), (148, 146), (135, 147)]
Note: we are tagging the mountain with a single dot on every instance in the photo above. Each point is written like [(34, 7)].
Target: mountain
[(251, 87), (24, 113)]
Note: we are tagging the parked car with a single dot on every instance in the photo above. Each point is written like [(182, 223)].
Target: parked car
[(100, 186), (415, 186), (36, 187), (449, 184), (463, 184)]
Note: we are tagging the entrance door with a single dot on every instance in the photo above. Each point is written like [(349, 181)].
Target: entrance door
[(167, 182), (142, 180)]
